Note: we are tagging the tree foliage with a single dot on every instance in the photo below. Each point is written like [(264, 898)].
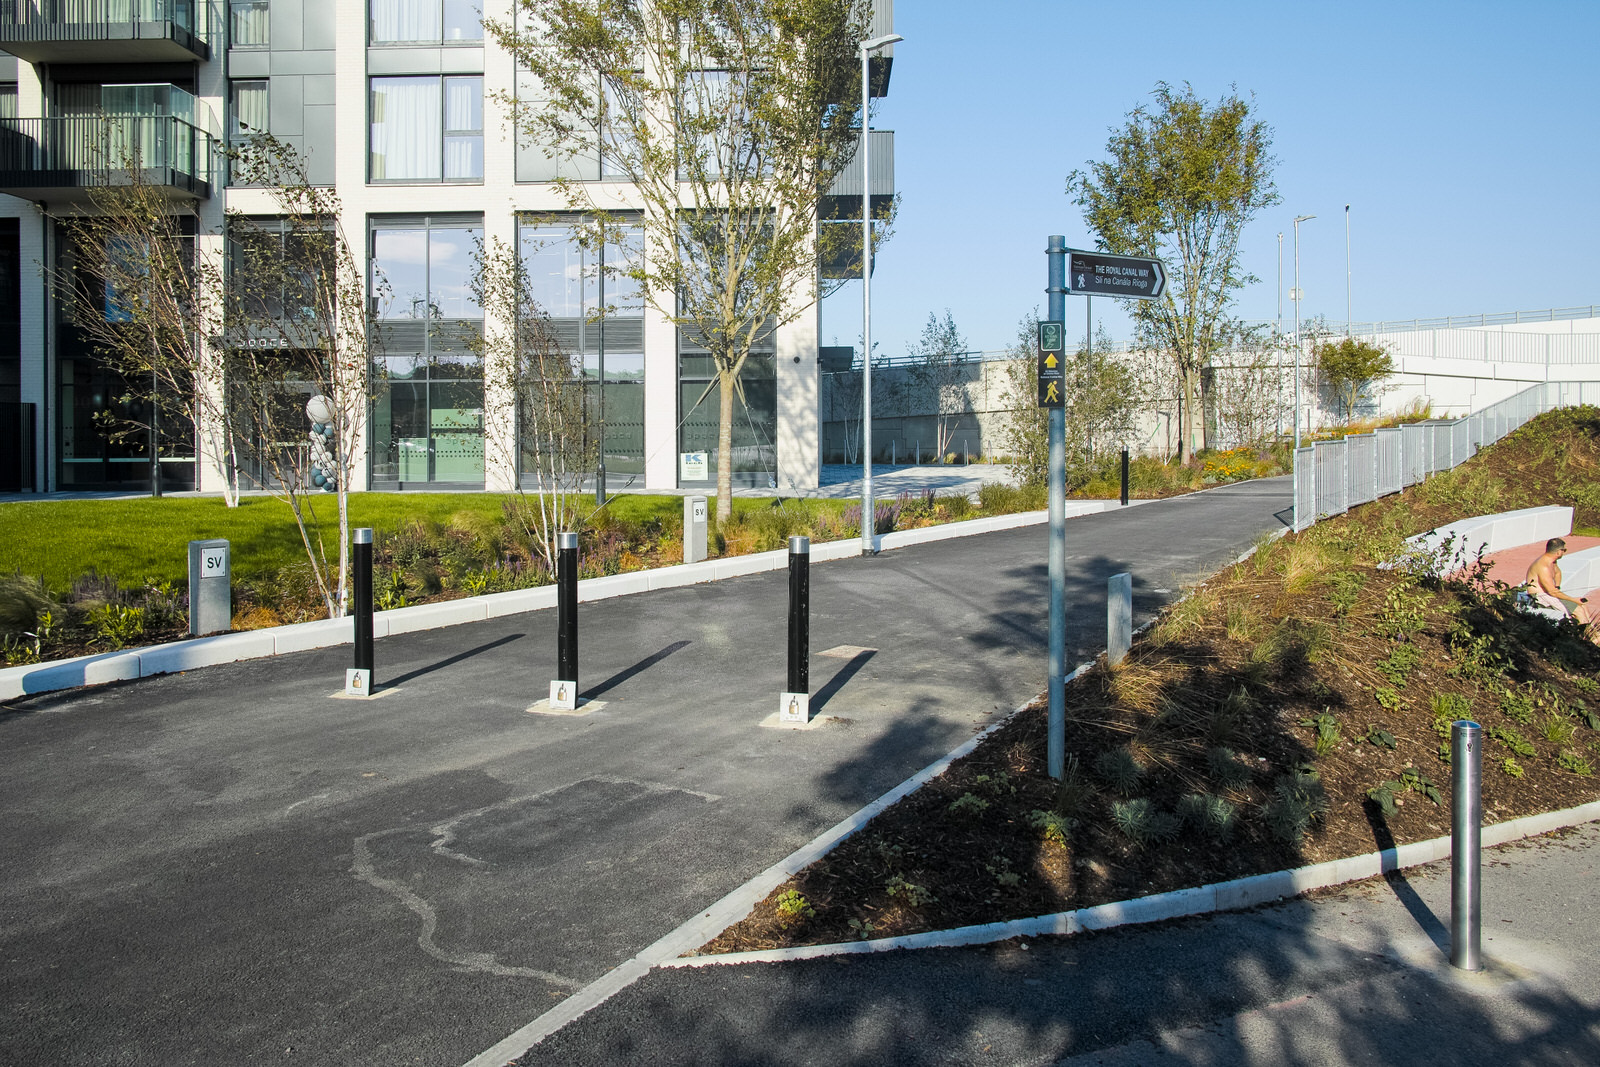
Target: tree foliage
[(1102, 394), (1180, 182), (255, 336), (535, 401), (940, 376), (728, 120), (1351, 369)]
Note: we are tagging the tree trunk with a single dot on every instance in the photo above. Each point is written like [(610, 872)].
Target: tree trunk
[(725, 386)]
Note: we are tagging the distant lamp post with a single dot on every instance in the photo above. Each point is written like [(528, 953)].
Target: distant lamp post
[(1296, 294), (1277, 338), (1347, 303), (869, 530)]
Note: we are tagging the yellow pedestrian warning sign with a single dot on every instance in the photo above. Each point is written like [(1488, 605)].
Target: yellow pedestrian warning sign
[(1052, 344)]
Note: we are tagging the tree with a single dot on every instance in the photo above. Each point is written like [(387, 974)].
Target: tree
[(1181, 181), (1102, 397), (1351, 369), (940, 377), (141, 296), (729, 121), (1248, 387), (255, 338), (537, 409)]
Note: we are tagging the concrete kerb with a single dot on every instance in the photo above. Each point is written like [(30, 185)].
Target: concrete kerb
[(1200, 900), (129, 664)]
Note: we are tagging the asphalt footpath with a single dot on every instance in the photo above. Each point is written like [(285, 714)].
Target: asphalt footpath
[(232, 865), (1355, 976)]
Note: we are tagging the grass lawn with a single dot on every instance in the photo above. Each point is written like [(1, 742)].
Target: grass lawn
[(132, 540)]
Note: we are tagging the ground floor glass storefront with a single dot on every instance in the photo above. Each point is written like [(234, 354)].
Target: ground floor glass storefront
[(427, 423), (596, 319), (755, 422), (427, 409)]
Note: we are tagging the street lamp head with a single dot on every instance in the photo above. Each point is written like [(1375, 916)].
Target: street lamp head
[(1303, 218), (881, 42)]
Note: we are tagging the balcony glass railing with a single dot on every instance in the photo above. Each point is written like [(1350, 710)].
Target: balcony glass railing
[(84, 151), (93, 19)]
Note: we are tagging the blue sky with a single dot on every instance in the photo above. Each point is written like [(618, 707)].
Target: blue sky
[(1465, 136)]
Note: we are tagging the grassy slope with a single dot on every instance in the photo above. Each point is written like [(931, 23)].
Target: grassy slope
[(1291, 710)]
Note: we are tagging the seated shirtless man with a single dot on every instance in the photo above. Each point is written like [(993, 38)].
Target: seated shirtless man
[(1544, 586)]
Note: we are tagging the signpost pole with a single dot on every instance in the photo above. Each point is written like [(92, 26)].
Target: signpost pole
[(1056, 253)]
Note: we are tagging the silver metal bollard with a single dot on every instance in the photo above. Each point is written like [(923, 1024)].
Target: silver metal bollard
[(1466, 844), (210, 588), (694, 529), (1119, 617)]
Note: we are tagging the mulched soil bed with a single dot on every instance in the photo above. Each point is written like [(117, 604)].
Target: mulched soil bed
[(1220, 709)]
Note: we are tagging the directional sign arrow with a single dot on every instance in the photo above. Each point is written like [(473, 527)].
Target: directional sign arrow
[(1125, 277), (1051, 361)]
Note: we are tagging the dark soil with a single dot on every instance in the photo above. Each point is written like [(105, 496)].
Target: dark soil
[(1218, 710)]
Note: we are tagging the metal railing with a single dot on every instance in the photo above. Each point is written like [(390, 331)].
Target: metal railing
[(88, 150), (1332, 476), (91, 20)]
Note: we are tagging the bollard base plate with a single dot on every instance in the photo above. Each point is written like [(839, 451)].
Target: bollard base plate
[(563, 696), (794, 709), (585, 707)]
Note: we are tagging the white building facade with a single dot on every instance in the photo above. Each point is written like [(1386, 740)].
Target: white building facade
[(399, 106)]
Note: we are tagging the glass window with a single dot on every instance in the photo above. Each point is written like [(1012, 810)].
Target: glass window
[(463, 128), (425, 21), (428, 416), (564, 276), (247, 108), (427, 128), (249, 23), (424, 271)]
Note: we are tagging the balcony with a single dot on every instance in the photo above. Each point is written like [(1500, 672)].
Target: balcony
[(62, 159), (105, 31), (840, 248)]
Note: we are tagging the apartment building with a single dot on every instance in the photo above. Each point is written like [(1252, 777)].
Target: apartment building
[(398, 106)]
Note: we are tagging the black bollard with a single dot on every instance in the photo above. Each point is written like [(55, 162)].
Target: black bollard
[(799, 615), (564, 690), (1124, 477), (360, 680), (795, 703)]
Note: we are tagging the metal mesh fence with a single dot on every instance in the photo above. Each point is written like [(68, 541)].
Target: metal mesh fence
[(1361, 468), (1330, 477), (1305, 487), (1332, 480)]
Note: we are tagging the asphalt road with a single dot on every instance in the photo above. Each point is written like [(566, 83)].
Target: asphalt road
[(232, 866)]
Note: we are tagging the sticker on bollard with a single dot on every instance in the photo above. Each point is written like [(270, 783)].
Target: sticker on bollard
[(794, 708), (357, 682), (564, 695)]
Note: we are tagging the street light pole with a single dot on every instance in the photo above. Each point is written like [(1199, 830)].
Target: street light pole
[(1277, 337), (1347, 304), (1298, 296), (869, 530)]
